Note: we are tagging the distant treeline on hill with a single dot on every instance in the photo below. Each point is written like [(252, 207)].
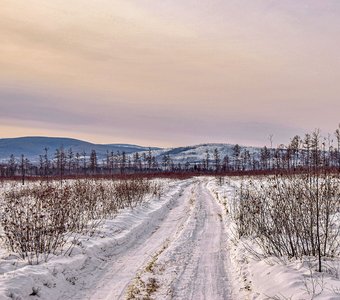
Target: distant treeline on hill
[(302, 154)]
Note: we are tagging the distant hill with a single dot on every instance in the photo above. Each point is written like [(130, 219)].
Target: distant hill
[(34, 146), (195, 154)]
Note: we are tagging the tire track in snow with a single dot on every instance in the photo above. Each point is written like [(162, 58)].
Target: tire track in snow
[(193, 265), (122, 266)]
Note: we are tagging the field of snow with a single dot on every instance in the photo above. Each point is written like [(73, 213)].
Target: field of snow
[(181, 245)]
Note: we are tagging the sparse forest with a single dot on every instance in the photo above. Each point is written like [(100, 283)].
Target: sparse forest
[(301, 155)]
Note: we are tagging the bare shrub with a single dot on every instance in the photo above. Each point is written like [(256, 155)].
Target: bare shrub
[(131, 192), (38, 220), (292, 215)]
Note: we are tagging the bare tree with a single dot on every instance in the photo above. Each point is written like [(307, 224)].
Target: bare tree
[(337, 135), (217, 160), (93, 161)]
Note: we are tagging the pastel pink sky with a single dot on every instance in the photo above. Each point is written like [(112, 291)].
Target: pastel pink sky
[(170, 72)]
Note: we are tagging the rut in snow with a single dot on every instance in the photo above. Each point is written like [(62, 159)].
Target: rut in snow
[(181, 254)]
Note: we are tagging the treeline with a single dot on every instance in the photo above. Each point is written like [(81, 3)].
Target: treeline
[(301, 154)]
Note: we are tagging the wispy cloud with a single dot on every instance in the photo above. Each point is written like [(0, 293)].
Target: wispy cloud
[(170, 72)]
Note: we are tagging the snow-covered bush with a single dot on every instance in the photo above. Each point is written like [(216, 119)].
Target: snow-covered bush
[(35, 220), (291, 215), (131, 192), (39, 219)]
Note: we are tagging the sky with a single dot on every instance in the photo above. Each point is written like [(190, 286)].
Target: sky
[(171, 72)]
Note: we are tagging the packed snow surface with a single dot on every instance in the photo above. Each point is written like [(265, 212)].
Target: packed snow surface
[(180, 249), (178, 246)]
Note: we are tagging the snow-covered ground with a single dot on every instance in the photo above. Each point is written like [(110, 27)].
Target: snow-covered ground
[(197, 153), (64, 276), (257, 277), (179, 246), (168, 248), (192, 262)]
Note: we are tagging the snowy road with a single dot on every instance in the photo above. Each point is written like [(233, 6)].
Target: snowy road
[(180, 255)]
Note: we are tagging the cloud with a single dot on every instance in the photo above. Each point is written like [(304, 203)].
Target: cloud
[(170, 72), (129, 122)]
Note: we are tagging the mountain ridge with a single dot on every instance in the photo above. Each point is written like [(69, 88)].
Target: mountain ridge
[(33, 146)]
